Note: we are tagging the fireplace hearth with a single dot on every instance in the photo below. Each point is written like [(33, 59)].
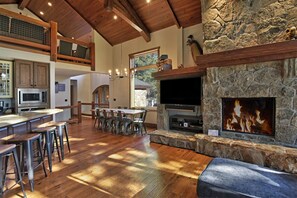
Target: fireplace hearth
[(249, 115)]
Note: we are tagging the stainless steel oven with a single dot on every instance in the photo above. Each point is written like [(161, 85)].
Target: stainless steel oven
[(32, 97)]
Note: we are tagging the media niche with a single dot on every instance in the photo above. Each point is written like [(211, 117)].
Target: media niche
[(185, 91)]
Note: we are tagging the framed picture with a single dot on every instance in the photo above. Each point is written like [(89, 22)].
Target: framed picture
[(61, 87)]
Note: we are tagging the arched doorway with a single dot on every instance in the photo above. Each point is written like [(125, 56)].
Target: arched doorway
[(101, 96)]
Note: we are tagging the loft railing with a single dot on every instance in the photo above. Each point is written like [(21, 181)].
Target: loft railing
[(74, 50), (40, 36)]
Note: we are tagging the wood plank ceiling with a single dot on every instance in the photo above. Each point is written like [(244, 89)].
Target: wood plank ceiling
[(135, 17)]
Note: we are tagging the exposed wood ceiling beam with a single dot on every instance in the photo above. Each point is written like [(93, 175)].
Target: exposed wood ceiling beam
[(86, 19), (172, 14), (124, 9), (23, 4)]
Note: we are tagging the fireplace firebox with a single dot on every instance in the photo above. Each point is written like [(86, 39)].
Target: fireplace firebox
[(249, 115)]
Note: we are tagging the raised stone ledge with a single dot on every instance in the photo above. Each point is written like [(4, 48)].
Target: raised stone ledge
[(173, 139), (272, 156)]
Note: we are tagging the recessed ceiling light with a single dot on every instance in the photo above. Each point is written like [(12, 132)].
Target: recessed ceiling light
[(148, 1), (115, 17), (49, 4), (42, 13)]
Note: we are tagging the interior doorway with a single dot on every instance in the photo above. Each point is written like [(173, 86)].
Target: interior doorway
[(73, 96), (101, 96)]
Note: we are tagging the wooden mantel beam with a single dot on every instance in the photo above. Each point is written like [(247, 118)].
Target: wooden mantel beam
[(23, 4), (124, 9), (174, 17)]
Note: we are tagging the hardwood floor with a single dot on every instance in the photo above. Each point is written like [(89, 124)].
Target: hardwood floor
[(105, 165)]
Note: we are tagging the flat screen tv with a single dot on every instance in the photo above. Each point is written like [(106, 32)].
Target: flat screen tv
[(186, 91)]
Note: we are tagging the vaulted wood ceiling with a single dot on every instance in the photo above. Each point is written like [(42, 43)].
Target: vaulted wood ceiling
[(135, 17)]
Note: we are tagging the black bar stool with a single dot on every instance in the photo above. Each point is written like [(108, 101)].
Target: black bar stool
[(26, 141), (49, 134), (6, 151)]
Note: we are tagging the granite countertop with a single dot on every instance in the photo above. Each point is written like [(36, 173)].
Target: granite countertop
[(7, 120)]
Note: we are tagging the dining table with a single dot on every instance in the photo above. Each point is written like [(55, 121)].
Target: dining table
[(132, 113)]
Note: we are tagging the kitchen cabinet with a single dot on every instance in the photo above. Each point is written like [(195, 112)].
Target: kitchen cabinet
[(30, 74), (6, 79)]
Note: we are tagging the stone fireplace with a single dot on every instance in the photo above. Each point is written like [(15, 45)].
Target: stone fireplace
[(230, 25)]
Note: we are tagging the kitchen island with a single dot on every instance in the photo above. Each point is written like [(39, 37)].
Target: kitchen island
[(25, 121)]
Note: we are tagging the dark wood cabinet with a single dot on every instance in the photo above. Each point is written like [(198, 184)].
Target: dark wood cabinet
[(30, 74), (23, 74), (41, 75)]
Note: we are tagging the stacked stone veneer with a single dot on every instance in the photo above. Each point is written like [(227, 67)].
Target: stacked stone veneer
[(276, 157), (236, 24), (231, 24)]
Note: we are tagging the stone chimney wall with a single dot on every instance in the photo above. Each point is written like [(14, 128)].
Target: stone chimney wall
[(234, 24)]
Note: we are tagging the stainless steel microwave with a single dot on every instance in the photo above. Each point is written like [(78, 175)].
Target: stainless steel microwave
[(30, 97)]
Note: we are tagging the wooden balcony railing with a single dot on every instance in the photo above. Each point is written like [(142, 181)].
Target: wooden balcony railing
[(39, 36), (76, 110), (94, 105)]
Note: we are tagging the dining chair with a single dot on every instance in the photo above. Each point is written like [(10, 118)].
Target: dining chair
[(139, 123), (97, 118), (103, 120), (118, 122), (111, 121)]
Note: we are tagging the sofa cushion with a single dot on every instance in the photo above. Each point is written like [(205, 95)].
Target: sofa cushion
[(231, 178)]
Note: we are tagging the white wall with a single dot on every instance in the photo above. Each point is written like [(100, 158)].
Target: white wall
[(197, 32), (103, 53), (62, 98), (98, 80), (86, 84)]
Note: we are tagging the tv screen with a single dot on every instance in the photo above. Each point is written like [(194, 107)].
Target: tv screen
[(186, 91)]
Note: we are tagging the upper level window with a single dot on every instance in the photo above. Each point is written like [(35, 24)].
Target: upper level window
[(143, 85)]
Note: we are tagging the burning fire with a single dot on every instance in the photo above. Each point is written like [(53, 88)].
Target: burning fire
[(244, 121)]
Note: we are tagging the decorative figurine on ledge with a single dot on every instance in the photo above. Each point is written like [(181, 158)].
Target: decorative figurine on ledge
[(291, 33), (196, 50), (180, 66), (164, 63)]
